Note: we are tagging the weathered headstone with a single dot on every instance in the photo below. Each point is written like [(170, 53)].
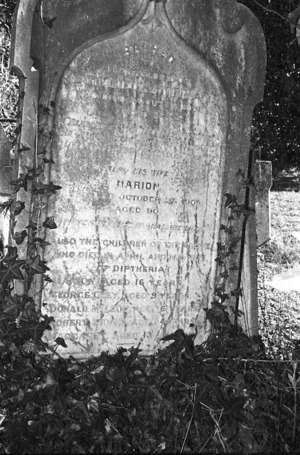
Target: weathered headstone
[(263, 184), (145, 110)]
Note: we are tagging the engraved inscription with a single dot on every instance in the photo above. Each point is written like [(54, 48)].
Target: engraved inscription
[(138, 149)]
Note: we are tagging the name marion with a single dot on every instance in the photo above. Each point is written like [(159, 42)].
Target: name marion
[(136, 185)]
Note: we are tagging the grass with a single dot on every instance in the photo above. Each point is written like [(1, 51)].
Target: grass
[(279, 311)]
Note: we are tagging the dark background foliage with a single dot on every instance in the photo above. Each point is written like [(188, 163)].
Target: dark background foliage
[(276, 126)]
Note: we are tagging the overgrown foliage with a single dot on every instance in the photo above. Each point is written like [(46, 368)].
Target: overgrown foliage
[(275, 121), (8, 82), (223, 396)]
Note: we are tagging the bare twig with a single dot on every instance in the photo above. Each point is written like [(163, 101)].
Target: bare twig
[(209, 359), (191, 419), (216, 421), (269, 10), (8, 120)]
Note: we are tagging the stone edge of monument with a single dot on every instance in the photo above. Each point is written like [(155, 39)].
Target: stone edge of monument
[(238, 145)]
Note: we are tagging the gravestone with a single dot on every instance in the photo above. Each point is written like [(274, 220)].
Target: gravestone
[(144, 118), (263, 183)]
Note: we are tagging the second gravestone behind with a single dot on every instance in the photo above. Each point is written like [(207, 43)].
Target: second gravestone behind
[(139, 152)]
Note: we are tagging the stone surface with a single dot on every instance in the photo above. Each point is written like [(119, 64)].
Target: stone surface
[(138, 214), (5, 164), (150, 112), (5, 187), (263, 184), (23, 66)]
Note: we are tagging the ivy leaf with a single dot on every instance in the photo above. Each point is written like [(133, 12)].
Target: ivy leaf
[(5, 206), (230, 199), (42, 188), (236, 292), (235, 241), (224, 297), (50, 223), (220, 289), (61, 342), (211, 373), (14, 266), (35, 63), (230, 230), (32, 225), (48, 279), (41, 241), (18, 130), (220, 261), (52, 188), (224, 274), (176, 336), (37, 265), (229, 429), (242, 208), (240, 173), (19, 237), (230, 251), (20, 182), (18, 207), (221, 247), (44, 109), (12, 306), (46, 321), (23, 148), (34, 171), (250, 183), (46, 160), (49, 21)]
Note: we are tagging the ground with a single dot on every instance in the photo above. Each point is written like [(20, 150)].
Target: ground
[(279, 313)]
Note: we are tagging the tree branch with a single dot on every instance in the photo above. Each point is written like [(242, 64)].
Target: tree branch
[(286, 19)]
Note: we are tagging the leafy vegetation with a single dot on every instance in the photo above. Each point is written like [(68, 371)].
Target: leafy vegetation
[(8, 82), (275, 121), (223, 396)]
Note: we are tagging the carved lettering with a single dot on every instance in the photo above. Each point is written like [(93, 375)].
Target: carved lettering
[(138, 146)]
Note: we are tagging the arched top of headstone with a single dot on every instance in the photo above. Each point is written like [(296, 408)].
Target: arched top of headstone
[(232, 40), (151, 18), (225, 32)]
